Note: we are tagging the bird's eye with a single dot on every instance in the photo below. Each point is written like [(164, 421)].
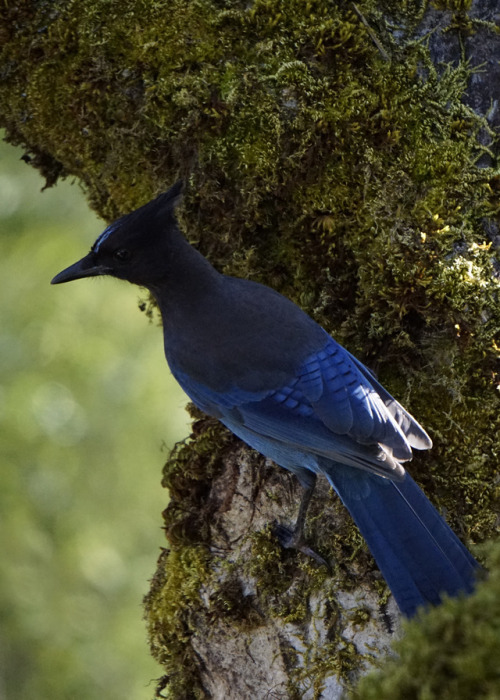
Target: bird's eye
[(121, 255)]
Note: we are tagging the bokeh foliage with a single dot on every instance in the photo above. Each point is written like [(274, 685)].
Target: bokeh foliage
[(80, 499)]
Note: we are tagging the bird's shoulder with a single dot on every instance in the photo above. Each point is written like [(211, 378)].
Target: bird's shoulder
[(244, 333)]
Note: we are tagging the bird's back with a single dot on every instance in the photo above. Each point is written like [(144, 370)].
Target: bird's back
[(240, 333)]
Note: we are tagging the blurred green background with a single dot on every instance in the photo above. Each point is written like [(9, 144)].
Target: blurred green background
[(88, 410)]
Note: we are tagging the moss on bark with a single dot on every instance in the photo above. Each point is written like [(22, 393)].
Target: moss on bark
[(345, 180), (449, 654)]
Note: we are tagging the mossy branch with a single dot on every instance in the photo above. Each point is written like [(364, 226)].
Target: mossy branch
[(366, 190)]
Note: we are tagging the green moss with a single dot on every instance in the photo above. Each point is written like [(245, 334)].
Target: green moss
[(229, 602), (450, 653), (346, 181), (188, 475), (283, 591), (169, 607), (453, 5)]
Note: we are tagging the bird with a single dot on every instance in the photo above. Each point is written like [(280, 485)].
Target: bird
[(250, 357)]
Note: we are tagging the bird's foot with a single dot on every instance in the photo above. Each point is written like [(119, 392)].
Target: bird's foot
[(294, 539)]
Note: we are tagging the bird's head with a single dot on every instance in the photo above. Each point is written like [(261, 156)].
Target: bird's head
[(134, 247)]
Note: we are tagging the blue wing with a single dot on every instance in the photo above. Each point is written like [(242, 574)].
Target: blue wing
[(333, 408), (335, 413)]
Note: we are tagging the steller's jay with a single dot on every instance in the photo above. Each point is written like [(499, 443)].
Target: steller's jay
[(253, 359)]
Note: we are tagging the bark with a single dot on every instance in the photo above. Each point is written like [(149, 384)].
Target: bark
[(360, 182)]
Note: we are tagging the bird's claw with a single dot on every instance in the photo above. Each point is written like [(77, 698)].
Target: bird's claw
[(293, 539)]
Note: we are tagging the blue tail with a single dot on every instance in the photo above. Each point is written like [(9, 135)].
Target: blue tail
[(419, 556)]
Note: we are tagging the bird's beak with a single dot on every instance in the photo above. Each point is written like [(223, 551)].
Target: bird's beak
[(86, 267)]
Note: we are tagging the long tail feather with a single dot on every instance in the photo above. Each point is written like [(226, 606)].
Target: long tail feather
[(418, 554)]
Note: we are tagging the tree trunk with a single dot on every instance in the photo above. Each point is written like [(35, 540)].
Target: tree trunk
[(344, 155)]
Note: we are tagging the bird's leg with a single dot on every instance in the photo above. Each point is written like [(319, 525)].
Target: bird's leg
[(294, 538), (297, 537)]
